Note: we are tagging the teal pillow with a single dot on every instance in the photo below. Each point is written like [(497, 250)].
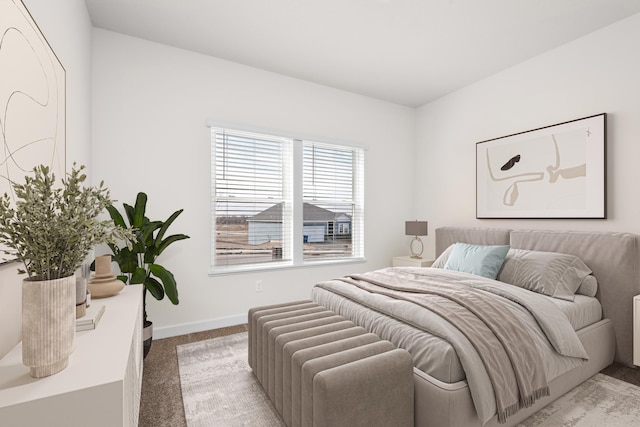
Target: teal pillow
[(481, 260)]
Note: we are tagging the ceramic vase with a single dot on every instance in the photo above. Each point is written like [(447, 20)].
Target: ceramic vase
[(81, 297), (104, 283), (48, 324)]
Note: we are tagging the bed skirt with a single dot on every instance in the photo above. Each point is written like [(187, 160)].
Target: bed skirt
[(439, 404)]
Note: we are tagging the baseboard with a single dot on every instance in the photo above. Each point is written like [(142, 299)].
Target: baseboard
[(188, 328)]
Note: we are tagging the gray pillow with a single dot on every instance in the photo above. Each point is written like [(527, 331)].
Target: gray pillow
[(589, 286), (550, 273)]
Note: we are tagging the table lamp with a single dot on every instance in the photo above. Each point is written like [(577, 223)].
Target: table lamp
[(416, 228)]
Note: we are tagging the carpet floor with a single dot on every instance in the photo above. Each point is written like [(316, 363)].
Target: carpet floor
[(161, 401)]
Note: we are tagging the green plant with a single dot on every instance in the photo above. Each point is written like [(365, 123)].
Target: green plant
[(52, 228), (137, 261)]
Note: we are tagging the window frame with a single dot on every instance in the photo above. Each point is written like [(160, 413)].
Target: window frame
[(297, 257)]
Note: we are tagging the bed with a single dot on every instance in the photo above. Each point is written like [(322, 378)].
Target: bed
[(445, 376)]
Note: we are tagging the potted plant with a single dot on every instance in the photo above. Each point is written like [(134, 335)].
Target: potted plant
[(50, 231), (138, 262)]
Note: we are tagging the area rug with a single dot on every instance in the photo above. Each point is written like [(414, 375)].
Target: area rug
[(219, 389), (218, 386), (601, 401)]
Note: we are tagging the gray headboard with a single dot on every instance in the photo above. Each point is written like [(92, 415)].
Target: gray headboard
[(613, 258), (447, 236)]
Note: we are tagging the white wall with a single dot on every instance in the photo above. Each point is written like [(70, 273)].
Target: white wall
[(150, 107), (67, 27), (151, 102), (595, 74)]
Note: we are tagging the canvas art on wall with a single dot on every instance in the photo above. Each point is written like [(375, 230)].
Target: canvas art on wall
[(552, 172), (32, 99)]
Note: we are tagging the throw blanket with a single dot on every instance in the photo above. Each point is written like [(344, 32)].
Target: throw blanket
[(502, 341)]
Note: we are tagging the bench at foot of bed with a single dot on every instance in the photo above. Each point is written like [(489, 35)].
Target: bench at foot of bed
[(321, 370)]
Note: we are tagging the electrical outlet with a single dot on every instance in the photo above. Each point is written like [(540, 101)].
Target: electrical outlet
[(258, 285)]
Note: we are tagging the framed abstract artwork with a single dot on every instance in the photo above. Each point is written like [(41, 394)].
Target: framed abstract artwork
[(32, 100), (557, 171)]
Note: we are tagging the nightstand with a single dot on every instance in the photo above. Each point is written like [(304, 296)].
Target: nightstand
[(407, 261), (636, 330)]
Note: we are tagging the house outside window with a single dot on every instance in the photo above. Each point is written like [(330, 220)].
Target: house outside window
[(280, 201)]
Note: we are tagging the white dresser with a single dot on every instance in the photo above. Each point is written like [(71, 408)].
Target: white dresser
[(636, 330), (100, 387)]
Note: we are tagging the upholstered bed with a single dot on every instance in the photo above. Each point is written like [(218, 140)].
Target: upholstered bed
[(576, 335)]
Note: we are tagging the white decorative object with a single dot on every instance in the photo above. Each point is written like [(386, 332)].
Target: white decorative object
[(555, 171), (48, 324), (32, 99)]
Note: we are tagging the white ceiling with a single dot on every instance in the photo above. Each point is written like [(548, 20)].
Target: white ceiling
[(405, 51)]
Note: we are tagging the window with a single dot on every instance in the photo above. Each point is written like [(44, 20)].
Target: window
[(330, 200), (282, 201)]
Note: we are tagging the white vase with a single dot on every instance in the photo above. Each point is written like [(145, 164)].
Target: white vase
[(48, 324)]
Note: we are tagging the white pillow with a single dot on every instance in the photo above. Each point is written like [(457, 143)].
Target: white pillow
[(442, 259)]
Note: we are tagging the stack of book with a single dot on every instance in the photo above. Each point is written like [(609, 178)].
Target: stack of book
[(91, 319)]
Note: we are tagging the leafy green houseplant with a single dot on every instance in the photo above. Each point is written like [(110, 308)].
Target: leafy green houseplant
[(138, 261), (50, 231)]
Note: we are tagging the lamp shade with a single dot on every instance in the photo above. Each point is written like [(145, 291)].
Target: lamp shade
[(415, 228)]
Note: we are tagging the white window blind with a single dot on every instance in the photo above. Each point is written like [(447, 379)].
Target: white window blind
[(258, 207), (251, 197), (332, 197)]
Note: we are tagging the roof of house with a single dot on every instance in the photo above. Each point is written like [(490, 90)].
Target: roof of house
[(310, 213)]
